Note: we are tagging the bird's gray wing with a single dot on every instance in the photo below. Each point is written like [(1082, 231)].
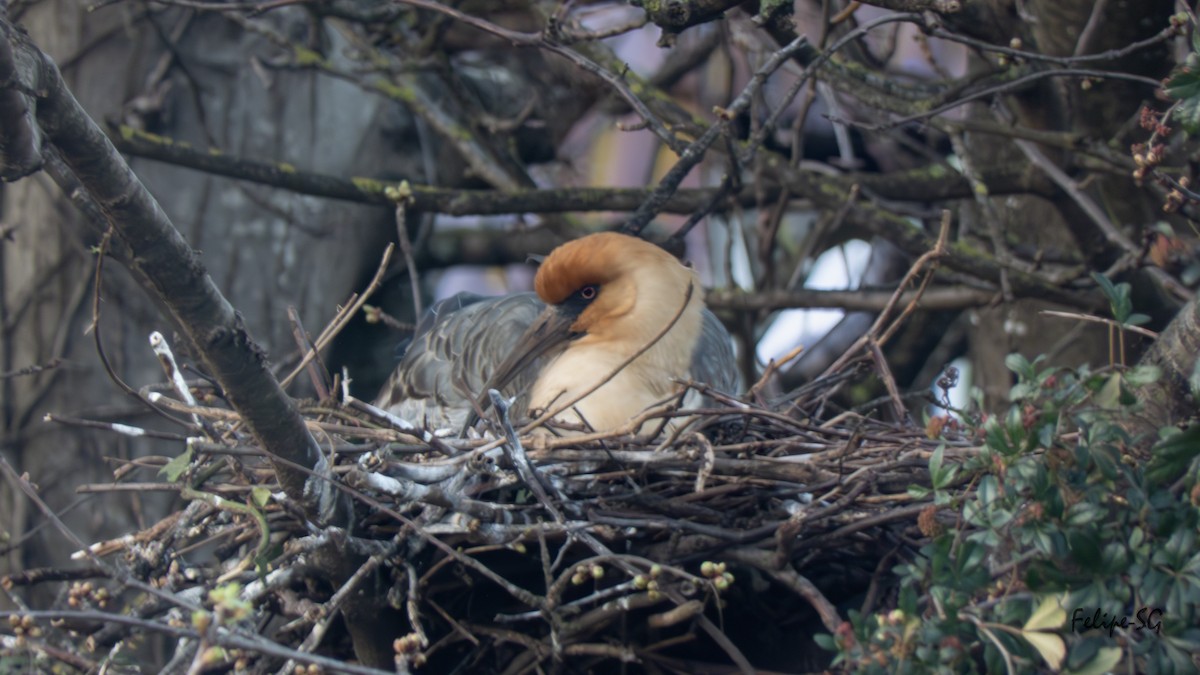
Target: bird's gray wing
[(713, 362), (456, 346)]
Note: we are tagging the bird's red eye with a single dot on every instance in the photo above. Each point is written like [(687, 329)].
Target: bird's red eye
[(587, 292)]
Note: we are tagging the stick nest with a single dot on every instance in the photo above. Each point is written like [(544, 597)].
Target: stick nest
[(722, 544)]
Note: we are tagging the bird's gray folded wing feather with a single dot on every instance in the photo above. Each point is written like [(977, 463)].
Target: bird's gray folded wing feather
[(453, 352), (713, 361)]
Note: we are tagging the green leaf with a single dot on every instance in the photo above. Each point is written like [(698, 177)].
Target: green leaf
[(1103, 282), (1048, 615), (1187, 113), (1194, 380), (935, 467), (1136, 319), (1109, 396), (1049, 646), (1014, 426), (260, 495), (1105, 660), (996, 438), (1019, 365), (825, 641), (1172, 456), (1124, 307), (918, 492), (988, 491), (1142, 375), (1136, 537), (1085, 548), (1118, 296), (175, 468), (1022, 390), (1184, 83)]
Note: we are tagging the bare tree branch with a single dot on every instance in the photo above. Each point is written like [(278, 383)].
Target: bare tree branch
[(165, 263)]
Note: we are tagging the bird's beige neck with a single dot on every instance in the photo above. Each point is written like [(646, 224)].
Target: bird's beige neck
[(649, 378)]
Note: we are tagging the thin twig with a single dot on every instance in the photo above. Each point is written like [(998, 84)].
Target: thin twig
[(406, 249), (343, 317), (694, 152), (1099, 319), (938, 251)]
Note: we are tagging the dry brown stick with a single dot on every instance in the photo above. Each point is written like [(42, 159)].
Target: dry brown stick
[(343, 317), (330, 608), (899, 513), (114, 427), (227, 637), (317, 373), (789, 577), (406, 249), (40, 575), (931, 259), (458, 627), (94, 326), (939, 250), (119, 573), (93, 488), (889, 381), (32, 370), (1099, 319), (772, 366)]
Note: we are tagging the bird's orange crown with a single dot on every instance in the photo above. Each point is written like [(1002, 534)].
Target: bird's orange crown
[(595, 259)]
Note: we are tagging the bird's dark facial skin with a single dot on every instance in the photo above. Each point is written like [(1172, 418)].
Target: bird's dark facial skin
[(578, 301)]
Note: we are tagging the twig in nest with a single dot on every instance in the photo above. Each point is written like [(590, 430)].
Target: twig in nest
[(792, 579), (317, 372), (218, 502), (329, 612), (166, 358), (772, 366), (707, 462), (877, 335), (119, 573), (343, 317), (516, 455)]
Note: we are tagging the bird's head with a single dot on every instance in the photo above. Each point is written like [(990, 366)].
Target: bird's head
[(606, 287)]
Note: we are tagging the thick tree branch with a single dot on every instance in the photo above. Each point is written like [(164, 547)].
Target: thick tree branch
[(852, 301), (1175, 351), (939, 6), (18, 145), (675, 16), (925, 184), (165, 263)]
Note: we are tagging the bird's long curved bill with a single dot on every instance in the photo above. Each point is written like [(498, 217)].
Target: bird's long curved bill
[(550, 330)]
